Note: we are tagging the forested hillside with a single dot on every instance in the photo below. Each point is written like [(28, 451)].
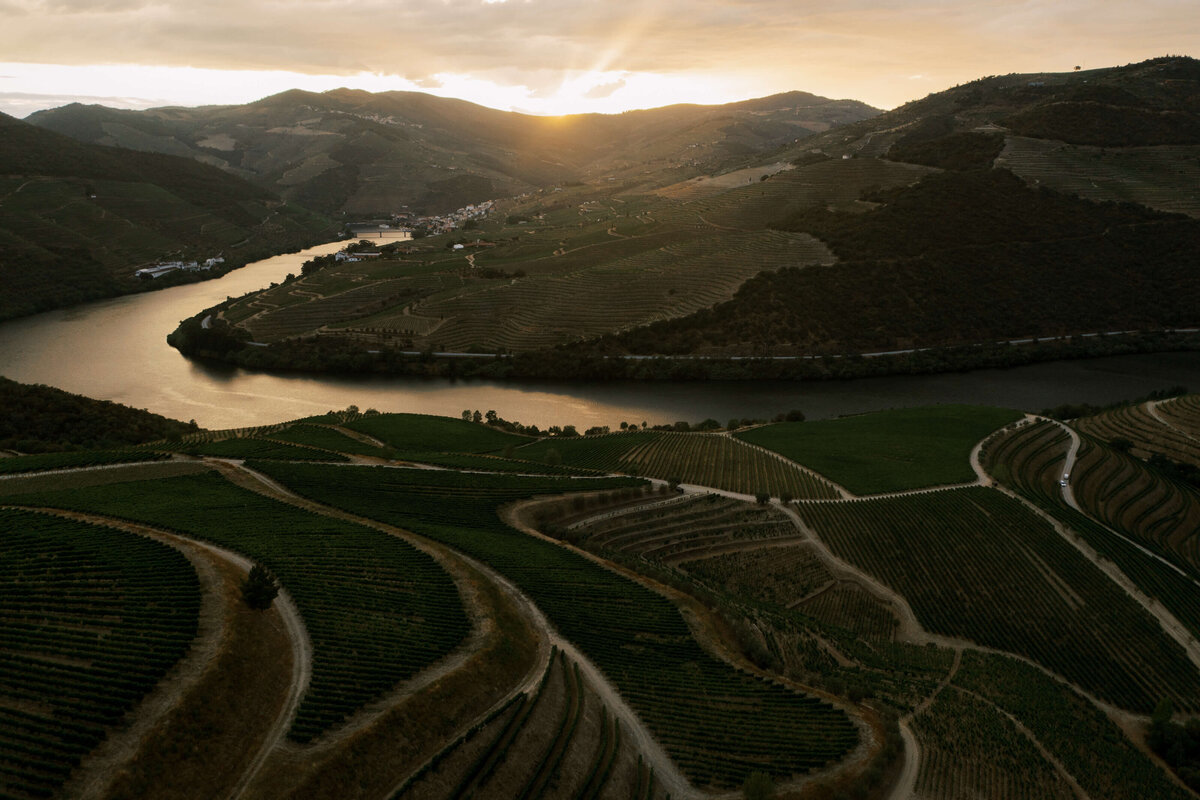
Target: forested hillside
[(77, 220)]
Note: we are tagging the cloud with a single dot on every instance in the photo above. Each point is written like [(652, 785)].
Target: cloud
[(859, 48), (22, 104), (604, 90)]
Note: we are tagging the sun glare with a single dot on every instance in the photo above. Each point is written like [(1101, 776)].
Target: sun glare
[(27, 87)]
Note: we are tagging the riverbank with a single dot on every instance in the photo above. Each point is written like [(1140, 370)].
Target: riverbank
[(116, 350), (345, 355)]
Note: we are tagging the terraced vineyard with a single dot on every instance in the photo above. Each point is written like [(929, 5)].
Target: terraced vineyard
[(559, 741), (782, 575), (849, 606), (1121, 492), (887, 451), (377, 610), (636, 637), (279, 323), (834, 183), (1147, 433), (970, 749), (1085, 741), (712, 460), (74, 460), (1182, 413), (329, 439), (677, 533), (1029, 460), (545, 309), (977, 565), (92, 619), (1161, 177), (252, 447)]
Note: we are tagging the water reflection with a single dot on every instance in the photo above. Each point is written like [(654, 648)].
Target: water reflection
[(116, 350)]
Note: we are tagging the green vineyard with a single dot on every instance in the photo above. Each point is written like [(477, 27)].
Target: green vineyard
[(970, 749), (427, 434), (711, 460), (377, 610), (1087, 743), (1147, 433), (74, 460), (91, 619), (977, 565), (1029, 461), (718, 724), (678, 533), (889, 451)]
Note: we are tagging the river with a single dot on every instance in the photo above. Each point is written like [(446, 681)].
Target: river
[(116, 350)]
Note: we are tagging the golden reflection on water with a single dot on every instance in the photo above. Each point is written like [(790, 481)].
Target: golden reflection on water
[(116, 350)]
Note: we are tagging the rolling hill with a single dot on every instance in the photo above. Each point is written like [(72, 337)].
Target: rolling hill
[(933, 613), (364, 153), (77, 220)]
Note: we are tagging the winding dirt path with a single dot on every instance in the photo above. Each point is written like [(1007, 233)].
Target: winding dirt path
[(1166, 620), (120, 748), (1078, 790), (907, 782), (706, 632), (910, 628), (1151, 407)]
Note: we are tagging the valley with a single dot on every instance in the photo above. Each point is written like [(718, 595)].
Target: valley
[(951, 233), (469, 610), (780, 448)]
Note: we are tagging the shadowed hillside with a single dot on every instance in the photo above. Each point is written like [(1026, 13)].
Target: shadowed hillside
[(364, 153), (77, 220)]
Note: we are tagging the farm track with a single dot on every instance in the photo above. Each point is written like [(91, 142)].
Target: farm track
[(706, 631), (665, 769), (123, 747), (1166, 620), (1152, 410), (912, 746), (1069, 498), (841, 490), (1062, 771)]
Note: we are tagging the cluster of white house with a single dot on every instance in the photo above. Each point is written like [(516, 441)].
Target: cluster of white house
[(455, 219), (163, 267)]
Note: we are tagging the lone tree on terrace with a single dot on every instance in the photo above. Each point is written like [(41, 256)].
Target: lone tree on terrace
[(260, 588)]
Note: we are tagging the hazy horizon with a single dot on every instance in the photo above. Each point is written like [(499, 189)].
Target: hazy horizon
[(567, 56)]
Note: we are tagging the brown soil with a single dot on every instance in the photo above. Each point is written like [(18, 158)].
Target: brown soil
[(201, 749), (371, 761)]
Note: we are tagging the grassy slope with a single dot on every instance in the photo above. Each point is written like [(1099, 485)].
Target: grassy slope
[(888, 451), (423, 433)]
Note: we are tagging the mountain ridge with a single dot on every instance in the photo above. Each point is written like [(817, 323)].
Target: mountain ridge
[(369, 153)]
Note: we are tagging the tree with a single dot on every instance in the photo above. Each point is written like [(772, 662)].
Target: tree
[(762, 498), (259, 588), (477, 417), (758, 786), (466, 415)]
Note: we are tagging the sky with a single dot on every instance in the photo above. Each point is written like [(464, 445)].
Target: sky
[(559, 56)]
